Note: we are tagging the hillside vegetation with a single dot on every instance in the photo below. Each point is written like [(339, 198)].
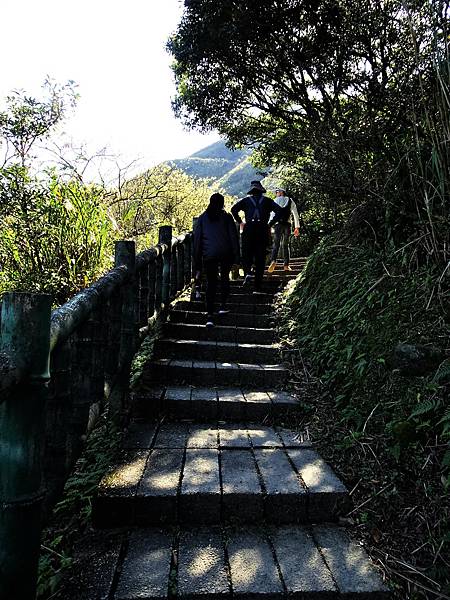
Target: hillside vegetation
[(225, 169), (373, 372)]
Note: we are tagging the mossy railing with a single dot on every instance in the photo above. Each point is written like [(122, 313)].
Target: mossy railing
[(57, 370)]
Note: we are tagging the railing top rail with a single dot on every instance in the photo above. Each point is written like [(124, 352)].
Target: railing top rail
[(70, 315)]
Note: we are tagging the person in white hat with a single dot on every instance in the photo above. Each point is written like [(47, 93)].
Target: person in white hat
[(283, 228)]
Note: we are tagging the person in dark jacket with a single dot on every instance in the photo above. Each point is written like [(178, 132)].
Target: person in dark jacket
[(256, 231), (216, 243)]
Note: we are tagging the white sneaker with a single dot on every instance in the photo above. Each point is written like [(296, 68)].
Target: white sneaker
[(223, 311)]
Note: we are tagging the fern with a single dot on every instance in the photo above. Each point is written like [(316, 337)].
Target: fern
[(425, 407), (442, 374)]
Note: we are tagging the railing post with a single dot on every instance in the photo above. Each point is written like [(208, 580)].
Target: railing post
[(174, 272), (125, 255), (151, 287), (143, 279), (180, 266), (58, 459), (193, 266), (129, 334), (159, 267), (165, 237), (25, 337), (187, 259)]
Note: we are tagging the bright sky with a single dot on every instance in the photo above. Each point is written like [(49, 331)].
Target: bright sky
[(114, 51)]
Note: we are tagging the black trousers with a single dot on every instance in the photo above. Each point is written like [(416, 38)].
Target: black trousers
[(282, 230), (212, 268), (255, 239)]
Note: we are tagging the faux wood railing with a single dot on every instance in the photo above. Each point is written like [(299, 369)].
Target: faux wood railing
[(56, 370)]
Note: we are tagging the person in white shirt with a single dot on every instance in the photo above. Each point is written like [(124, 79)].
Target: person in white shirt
[(283, 228)]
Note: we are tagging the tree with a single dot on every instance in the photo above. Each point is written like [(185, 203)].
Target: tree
[(346, 83), (27, 120), (161, 195)]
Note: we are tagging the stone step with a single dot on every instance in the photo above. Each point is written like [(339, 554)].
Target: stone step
[(270, 286), (321, 562), (217, 350), (219, 333), (239, 308), (206, 474), (246, 296), (211, 404), (218, 373), (231, 319)]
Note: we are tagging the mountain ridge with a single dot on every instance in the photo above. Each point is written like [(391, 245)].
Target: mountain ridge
[(229, 170)]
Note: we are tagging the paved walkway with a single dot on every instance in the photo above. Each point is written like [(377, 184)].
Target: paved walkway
[(216, 500)]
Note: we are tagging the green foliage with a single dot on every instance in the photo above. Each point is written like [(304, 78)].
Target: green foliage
[(162, 195), (347, 313), (357, 107), (28, 120), (55, 236)]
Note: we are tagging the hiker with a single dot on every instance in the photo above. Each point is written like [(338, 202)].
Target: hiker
[(283, 228), (256, 230), (216, 243)]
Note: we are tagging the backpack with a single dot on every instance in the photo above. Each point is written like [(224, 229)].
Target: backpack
[(286, 213)]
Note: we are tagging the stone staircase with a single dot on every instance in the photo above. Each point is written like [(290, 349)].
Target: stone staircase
[(216, 499)]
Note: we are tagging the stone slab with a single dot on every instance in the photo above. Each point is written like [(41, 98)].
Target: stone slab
[(242, 498), (180, 392), (233, 436), (200, 487), (187, 349), (254, 574), (146, 567), (172, 435), (262, 436), (227, 372), (111, 506), (350, 565), (286, 499), (201, 565), (96, 560), (328, 496), (204, 372), (156, 498), (139, 436), (275, 375), (231, 404), (258, 405), (302, 567), (255, 335), (251, 375), (204, 404), (201, 436)]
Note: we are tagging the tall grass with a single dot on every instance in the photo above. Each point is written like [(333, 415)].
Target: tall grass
[(55, 237), (429, 150)]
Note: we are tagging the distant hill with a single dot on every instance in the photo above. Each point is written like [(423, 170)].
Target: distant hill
[(228, 169)]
